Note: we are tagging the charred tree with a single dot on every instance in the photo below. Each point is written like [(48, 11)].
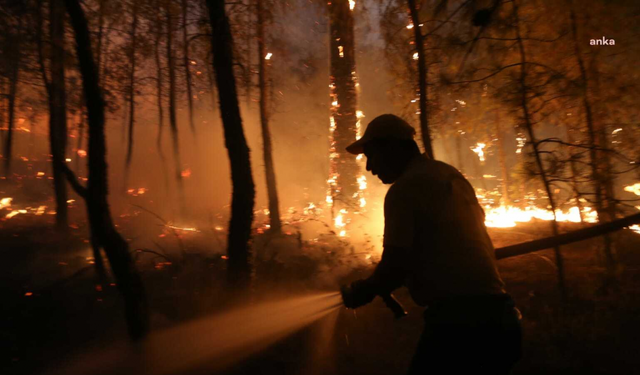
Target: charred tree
[(243, 194), (343, 168), (132, 84), (58, 111), (422, 78), (272, 191), (103, 231), (187, 62)]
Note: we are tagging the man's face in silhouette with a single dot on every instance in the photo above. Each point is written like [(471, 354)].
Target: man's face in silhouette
[(382, 160)]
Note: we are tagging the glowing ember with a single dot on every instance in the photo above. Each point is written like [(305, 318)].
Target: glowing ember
[(479, 150), (635, 228), (5, 202), (186, 173), (14, 213), (341, 51), (635, 188), (410, 26), (415, 56), (40, 174), (521, 139), (352, 4), (268, 56), (184, 229), (81, 153)]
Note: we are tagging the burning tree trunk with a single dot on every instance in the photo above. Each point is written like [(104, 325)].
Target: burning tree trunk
[(243, 194), (528, 124), (187, 63), (274, 208), (103, 231), (58, 111), (344, 118), (132, 85), (422, 78)]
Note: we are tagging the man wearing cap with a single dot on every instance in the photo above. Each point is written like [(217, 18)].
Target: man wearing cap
[(436, 244)]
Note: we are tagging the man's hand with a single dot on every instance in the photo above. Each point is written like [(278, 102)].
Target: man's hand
[(359, 293)]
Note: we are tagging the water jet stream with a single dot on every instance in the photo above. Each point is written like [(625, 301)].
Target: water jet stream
[(213, 342)]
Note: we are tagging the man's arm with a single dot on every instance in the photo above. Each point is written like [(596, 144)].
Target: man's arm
[(392, 270), (388, 276)]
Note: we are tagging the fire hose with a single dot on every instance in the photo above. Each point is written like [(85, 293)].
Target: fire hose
[(536, 245)]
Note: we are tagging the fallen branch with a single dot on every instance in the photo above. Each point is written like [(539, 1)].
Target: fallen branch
[(566, 238)]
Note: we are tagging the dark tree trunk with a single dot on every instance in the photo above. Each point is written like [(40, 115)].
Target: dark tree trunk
[(574, 173), (247, 76), (600, 166), (100, 36), (159, 95), (132, 85), (527, 121), (103, 231), (58, 112), (187, 63), (79, 144), (173, 121), (459, 152), (212, 82), (344, 169), (422, 78), (243, 195), (503, 162), (272, 191), (14, 73)]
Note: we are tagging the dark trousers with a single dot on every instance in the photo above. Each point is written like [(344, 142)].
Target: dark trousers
[(469, 335)]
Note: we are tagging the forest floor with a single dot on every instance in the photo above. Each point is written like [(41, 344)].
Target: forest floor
[(52, 304)]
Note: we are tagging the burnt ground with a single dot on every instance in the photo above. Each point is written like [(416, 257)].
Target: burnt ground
[(52, 305)]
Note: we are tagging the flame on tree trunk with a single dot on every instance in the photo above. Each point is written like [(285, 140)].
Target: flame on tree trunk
[(103, 231), (58, 111), (243, 194), (270, 174), (422, 78), (343, 168)]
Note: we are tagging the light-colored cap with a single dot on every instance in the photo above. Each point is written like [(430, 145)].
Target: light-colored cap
[(383, 127)]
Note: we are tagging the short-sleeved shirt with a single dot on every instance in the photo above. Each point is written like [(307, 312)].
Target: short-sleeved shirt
[(433, 210)]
